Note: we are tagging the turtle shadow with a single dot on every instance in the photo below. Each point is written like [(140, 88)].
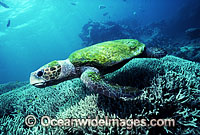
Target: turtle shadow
[(136, 76), (120, 108)]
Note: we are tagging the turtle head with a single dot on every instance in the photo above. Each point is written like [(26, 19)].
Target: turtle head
[(52, 73)]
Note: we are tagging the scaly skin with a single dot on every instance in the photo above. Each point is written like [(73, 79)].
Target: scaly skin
[(84, 63), (94, 82)]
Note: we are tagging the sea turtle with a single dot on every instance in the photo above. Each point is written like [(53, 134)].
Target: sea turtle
[(91, 63)]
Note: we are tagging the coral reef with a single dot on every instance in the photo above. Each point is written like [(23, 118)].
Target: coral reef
[(11, 86), (193, 33), (188, 49), (15, 105), (40, 101), (172, 93), (171, 90), (96, 32), (152, 35)]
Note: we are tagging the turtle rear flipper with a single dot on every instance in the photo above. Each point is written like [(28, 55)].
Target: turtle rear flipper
[(94, 82)]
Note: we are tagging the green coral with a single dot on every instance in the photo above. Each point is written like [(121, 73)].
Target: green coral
[(107, 53)]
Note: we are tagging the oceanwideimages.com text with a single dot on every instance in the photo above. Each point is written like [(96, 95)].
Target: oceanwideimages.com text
[(46, 121)]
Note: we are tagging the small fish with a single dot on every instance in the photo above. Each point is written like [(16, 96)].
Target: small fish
[(74, 3), (134, 13), (8, 24), (102, 6), (105, 14), (4, 5)]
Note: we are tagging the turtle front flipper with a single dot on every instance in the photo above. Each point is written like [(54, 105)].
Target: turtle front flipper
[(94, 82)]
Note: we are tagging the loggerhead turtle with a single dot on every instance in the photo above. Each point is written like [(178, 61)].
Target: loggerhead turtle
[(91, 63)]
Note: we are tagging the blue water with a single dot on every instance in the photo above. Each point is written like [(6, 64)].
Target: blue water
[(44, 30)]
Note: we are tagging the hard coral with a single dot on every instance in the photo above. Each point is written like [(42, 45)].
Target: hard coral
[(170, 88)]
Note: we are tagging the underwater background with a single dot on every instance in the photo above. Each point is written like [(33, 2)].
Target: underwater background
[(35, 32), (44, 30)]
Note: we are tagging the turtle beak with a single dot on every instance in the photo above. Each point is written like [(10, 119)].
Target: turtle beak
[(36, 81)]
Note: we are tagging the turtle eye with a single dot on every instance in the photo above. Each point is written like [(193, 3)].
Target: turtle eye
[(40, 73)]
